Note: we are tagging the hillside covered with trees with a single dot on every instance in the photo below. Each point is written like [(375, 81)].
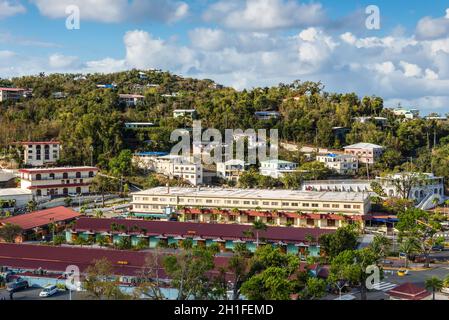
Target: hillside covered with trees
[(90, 118)]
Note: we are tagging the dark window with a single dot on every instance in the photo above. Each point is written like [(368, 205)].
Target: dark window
[(38, 177)]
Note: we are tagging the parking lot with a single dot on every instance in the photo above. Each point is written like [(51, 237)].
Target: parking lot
[(33, 294)]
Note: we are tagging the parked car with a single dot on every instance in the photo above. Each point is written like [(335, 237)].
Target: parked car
[(48, 291), (17, 285), (438, 248)]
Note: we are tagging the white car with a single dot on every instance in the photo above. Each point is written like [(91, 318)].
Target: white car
[(48, 291)]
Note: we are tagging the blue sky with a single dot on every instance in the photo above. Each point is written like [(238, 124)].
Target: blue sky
[(242, 43)]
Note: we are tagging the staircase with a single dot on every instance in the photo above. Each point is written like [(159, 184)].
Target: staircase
[(427, 202)]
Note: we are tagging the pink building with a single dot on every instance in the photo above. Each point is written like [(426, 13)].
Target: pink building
[(365, 152)]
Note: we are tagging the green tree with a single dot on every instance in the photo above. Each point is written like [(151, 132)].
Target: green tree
[(121, 166), (381, 245), (409, 246), (421, 226), (103, 185), (351, 265), (270, 275), (343, 239), (434, 284), (315, 288), (101, 283), (9, 232), (187, 270), (314, 170)]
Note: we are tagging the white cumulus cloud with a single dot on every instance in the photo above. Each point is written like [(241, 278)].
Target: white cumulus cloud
[(10, 8)]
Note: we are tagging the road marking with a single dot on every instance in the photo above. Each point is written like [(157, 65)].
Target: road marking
[(384, 286)]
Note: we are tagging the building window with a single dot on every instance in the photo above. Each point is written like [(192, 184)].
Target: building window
[(314, 205), (347, 206), (310, 222), (38, 176), (306, 205), (335, 206), (331, 223)]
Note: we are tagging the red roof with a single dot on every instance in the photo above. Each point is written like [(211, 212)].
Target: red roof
[(409, 291), (58, 170), (57, 259), (66, 185), (213, 230), (12, 89), (42, 218), (38, 142)]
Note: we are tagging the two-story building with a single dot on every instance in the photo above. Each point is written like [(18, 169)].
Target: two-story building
[(180, 167), (343, 164), (231, 170), (276, 168), (365, 152), (131, 100), (61, 181), (38, 154)]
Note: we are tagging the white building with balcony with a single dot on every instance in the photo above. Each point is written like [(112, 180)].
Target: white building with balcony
[(277, 168), (61, 181), (231, 170), (343, 164)]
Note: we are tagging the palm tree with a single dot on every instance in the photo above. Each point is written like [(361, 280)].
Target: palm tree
[(434, 284), (408, 247), (381, 245), (99, 214), (258, 226)]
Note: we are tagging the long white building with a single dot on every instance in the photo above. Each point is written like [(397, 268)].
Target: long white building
[(280, 207), (423, 193)]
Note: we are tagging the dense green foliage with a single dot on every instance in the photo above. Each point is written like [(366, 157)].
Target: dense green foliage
[(89, 121)]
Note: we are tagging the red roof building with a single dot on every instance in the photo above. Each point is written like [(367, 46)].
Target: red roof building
[(409, 291), (57, 259), (204, 230), (35, 223)]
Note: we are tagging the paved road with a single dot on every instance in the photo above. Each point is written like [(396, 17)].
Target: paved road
[(33, 294)]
